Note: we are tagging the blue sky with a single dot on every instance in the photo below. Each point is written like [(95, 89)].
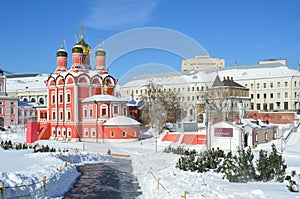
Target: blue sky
[(242, 31)]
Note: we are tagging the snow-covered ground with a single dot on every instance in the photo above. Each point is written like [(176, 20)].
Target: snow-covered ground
[(18, 168)]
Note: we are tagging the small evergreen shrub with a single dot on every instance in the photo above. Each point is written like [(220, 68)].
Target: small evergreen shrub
[(236, 168)]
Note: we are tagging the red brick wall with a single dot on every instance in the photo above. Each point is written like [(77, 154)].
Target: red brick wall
[(274, 117)]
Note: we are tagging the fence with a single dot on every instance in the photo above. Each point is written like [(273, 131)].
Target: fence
[(17, 188)]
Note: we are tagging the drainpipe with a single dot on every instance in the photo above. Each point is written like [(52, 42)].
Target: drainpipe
[(64, 108), (96, 120)]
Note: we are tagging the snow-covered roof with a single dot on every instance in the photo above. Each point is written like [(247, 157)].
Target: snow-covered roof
[(256, 71), (256, 123), (121, 121), (104, 98), (26, 83)]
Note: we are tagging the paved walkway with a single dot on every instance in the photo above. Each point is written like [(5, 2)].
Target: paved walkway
[(105, 181)]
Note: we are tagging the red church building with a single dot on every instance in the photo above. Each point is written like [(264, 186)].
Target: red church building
[(81, 102)]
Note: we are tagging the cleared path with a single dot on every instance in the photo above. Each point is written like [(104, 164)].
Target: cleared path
[(105, 180)]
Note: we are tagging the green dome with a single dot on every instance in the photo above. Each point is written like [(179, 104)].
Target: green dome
[(77, 49), (61, 53), (100, 52)]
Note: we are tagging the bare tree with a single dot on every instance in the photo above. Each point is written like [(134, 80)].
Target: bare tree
[(161, 106)]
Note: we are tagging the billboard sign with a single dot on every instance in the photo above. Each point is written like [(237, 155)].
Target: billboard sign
[(223, 132)]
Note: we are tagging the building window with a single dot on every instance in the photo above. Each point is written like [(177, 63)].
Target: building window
[(265, 85), (258, 106), (12, 111), (256, 137), (60, 98), (112, 134), (85, 112), (60, 114), (278, 95), (286, 105), (271, 95), (251, 96), (69, 131), (86, 132), (64, 132), (257, 85), (188, 98), (285, 84), (271, 85), (277, 105), (68, 97), (124, 134), (197, 88), (191, 111), (91, 112), (295, 83), (251, 86), (265, 95), (278, 84), (271, 106), (116, 109), (104, 110), (286, 95), (188, 89), (53, 114), (258, 96), (274, 135), (53, 98), (93, 131), (266, 136), (68, 114), (53, 131)]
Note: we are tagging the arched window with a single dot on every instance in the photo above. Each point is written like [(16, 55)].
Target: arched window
[(41, 100), (104, 110), (266, 136), (256, 137)]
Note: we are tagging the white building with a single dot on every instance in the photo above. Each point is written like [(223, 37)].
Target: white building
[(273, 86)]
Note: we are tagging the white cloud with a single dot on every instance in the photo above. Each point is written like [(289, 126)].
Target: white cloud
[(108, 14)]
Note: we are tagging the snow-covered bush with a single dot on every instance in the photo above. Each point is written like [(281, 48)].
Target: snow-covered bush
[(239, 167), (270, 166)]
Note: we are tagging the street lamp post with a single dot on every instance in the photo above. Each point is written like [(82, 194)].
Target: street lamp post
[(96, 120)]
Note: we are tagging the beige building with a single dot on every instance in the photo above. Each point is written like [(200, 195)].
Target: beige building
[(202, 63), (28, 87)]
